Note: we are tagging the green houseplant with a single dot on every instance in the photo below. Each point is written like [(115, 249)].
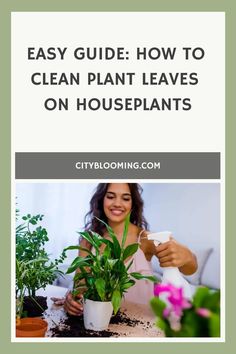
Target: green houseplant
[(22, 274), (34, 269), (26, 327), (104, 278)]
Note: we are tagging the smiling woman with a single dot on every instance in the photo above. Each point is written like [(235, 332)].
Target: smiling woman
[(112, 203)]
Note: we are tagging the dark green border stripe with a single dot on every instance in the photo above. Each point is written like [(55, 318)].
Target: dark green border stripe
[(229, 6)]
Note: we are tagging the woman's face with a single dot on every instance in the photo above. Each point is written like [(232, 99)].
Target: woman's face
[(117, 202)]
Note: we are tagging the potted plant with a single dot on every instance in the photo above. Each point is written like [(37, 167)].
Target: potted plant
[(34, 269), (179, 317), (103, 278), (26, 327)]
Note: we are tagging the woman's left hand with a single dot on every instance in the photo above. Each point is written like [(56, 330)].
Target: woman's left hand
[(173, 254)]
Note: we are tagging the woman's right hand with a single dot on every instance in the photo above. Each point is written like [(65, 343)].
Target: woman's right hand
[(72, 306)]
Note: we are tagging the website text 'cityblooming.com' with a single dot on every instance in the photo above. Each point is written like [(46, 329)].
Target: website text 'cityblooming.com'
[(113, 165)]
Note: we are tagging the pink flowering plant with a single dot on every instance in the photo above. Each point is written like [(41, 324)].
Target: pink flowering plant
[(179, 317)]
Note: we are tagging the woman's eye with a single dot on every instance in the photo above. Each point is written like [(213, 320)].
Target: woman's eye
[(126, 199), (110, 197)]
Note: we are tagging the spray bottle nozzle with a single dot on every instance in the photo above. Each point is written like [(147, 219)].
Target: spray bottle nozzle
[(159, 237)]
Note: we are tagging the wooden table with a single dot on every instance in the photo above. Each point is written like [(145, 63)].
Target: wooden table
[(140, 323)]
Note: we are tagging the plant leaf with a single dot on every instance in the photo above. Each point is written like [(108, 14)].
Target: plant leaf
[(101, 288), (130, 264), (77, 263), (112, 262), (199, 296), (212, 301), (158, 306), (127, 285), (107, 252), (116, 300), (161, 324), (137, 275), (91, 240), (214, 325), (77, 247), (125, 233), (116, 245), (130, 250)]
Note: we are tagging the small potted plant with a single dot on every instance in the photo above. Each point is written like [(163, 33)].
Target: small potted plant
[(34, 269), (179, 317), (26, 327), (103, 278)]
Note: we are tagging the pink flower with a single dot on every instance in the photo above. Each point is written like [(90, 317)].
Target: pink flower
[(203, 312), (162, 288), (175, 298)]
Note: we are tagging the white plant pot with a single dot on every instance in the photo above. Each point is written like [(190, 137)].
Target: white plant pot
[(97, 314)]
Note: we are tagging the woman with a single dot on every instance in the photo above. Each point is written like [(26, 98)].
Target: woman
[(112, 202)]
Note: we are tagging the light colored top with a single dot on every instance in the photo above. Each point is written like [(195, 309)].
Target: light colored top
[(142, 291)]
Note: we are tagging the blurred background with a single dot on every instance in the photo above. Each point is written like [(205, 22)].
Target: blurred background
[(191, 211)]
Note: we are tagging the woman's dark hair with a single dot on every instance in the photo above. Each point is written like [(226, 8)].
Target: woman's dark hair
[(96, 208)]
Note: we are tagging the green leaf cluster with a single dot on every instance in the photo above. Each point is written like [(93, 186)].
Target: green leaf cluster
[(105, 277), (192, 324), (34, 269)]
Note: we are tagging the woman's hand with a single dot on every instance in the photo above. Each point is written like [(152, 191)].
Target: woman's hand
[(72, 306), (148, 247), (173, 254), (58, 301)]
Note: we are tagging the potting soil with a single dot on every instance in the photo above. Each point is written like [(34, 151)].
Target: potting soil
[(34, 308), (73, 326)]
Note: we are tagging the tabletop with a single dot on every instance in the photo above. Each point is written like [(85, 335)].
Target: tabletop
[(133, 320)]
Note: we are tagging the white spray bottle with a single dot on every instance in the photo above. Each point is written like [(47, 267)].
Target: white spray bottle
[(171, 274)]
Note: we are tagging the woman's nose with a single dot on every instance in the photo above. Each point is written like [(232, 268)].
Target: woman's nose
[(117, 202)]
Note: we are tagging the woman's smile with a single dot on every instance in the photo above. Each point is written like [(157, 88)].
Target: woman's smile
[(116, 211)]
